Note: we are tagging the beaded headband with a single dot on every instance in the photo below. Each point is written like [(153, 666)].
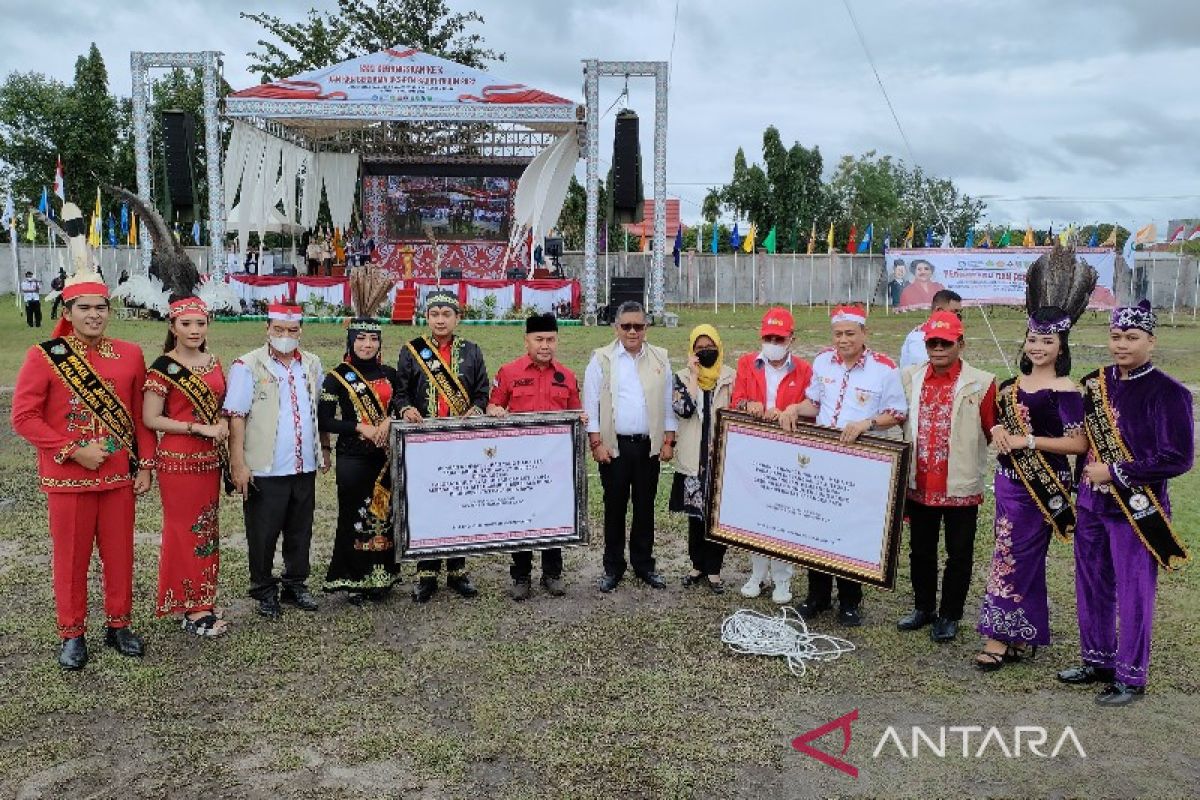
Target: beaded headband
[(188, 305), (1060, 325)]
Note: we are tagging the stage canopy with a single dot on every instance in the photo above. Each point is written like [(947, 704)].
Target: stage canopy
[(383, 112)]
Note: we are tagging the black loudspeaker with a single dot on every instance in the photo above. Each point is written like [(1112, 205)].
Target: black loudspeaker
[(622, 289), (517, 275), (626, 190), (179, 147), (554, 247), (452, 274)]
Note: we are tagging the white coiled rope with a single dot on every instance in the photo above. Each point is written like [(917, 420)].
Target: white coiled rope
[(750, 632)]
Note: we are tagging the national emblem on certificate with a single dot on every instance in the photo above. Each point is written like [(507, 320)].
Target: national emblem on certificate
[(482, 484), (807, 498)]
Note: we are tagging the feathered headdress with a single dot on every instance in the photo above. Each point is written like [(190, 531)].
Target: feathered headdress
[(1059, 278), (179, 275), (369, 287)]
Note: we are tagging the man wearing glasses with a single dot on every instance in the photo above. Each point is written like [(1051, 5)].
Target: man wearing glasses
[(631, 430), (912, 352), (951, 411)]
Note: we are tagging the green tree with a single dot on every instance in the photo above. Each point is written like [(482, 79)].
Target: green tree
[(359, 27), (89, 142), (34, 116)]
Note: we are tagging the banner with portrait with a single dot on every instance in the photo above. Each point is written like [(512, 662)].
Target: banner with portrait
[(983, 276), (484, 484), (806, 498)]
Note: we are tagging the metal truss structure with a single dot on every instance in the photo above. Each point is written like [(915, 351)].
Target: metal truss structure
[(593, 70)]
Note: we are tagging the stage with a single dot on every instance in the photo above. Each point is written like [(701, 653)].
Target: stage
[(547, 294)]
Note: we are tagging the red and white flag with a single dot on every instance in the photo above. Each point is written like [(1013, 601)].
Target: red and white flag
[(1195, 234), (60, 181), (1176, 235)]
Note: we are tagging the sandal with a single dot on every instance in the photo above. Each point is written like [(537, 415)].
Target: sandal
[(693, 579), (717, 586), (209, 626), (992, 661), (1015, 655)]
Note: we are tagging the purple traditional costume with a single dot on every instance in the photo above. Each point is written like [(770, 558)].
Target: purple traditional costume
[(1116, 572), (1015, 608)]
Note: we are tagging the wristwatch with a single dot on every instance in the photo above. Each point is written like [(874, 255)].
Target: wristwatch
[(872, 426), (1030, 443)]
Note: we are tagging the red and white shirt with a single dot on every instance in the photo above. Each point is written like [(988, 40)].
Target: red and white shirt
[(932, 448), (848, 393)]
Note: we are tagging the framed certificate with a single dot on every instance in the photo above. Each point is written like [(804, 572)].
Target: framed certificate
[(806, 498), (488, 484)]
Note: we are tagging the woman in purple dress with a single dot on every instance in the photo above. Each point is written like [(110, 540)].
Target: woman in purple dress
[(1041, 423)]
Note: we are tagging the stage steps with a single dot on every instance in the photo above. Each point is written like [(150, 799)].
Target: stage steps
[(404, 310)]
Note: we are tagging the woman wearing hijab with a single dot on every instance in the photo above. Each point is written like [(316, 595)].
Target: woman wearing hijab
[(354, 405), (704, 386)]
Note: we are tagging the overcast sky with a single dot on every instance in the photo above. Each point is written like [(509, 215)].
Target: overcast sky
[(1049, 110)]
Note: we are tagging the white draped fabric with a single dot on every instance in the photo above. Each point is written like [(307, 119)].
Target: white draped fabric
[(334, 295), (544, 299), (337, 173), (506, 297)]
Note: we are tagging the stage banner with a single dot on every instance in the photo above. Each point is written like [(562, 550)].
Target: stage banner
[(488, 484), (984, 276), (806, 498)]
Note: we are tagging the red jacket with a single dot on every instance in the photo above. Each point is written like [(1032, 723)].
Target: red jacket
[(522, 386), (47, 415), (750, 385)]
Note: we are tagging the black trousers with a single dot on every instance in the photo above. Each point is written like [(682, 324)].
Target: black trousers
[(522, 564), (434, 565), (706, 556), (33, 313), (282, 505), (54, 307), (925, 524), (820, 590), (632, 474)]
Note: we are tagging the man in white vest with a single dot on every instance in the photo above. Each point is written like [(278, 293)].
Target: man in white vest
[(951, 411), (274, 454), (631, 430)]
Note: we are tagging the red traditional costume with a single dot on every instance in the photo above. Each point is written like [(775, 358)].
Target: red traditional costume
[(70, 394), (189, 479)]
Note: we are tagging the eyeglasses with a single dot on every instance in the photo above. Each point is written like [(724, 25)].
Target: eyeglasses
[(938, 344), (775, 339), (632, 326)]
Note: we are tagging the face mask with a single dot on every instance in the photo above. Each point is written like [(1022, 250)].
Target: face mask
[(707, 357), (284, 344), (774, 352)]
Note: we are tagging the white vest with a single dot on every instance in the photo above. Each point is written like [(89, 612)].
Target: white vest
[(654, 373), (263, 419)]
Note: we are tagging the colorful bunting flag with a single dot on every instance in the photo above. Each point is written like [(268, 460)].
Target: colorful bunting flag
[(1029, 240), (1005, 238), (735, 239), (1111, 241), (929, 237), (748, 242), (1147, 234), (908, 236), (60, 181), (867, 242), (716, 241), (851, 245), (812, 238), (769, 242), (675, 251)]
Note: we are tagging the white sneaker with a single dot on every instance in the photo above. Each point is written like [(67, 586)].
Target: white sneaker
[(782, 594), (752, 587)]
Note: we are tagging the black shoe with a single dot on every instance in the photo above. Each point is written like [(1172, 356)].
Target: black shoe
[(73, 654), (124, 641), (356, 598), (915, 620), (716, 587), (652, 579), (299, 597), (849, 617), (269, 607), (521, 589), (425, 589), (1086, 673), (1119, 694), (690, 580), (462, 585), (554, 586), (811, 608), (609, 582), (944, 630)]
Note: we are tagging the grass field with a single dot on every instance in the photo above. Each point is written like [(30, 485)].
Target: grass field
[(628, 695)]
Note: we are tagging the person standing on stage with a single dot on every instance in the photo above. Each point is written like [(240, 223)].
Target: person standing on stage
[(78, 402), (912, 352), (700, 389), (1139, 426), (31, 295), (951, 412), (631, 431), (441, 375), (274, 455), (1040, 423), (184, 390), (536, 382), (857, 390), (355, 401), (768, 382)]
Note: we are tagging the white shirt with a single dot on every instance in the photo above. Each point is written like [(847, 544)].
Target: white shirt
[(913, 352), (773, 376), (850, 393), (629, 414), (31, 289), (294, 442)]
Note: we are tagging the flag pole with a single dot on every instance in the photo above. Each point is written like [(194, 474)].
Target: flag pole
[(12, 242), (1175, 289), (829, 293), (753, 273), (792, 294), (811, 268), (735, 278)]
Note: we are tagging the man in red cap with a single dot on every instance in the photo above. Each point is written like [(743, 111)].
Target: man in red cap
[(274, 454), (78, 400), (951, 411), (766, 383)]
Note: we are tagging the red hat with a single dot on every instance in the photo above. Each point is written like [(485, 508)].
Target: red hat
[(79, 285), (848, 314), (777, 322), (943, 325)]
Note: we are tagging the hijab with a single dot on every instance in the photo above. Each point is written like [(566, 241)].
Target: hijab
[(708, 375)]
